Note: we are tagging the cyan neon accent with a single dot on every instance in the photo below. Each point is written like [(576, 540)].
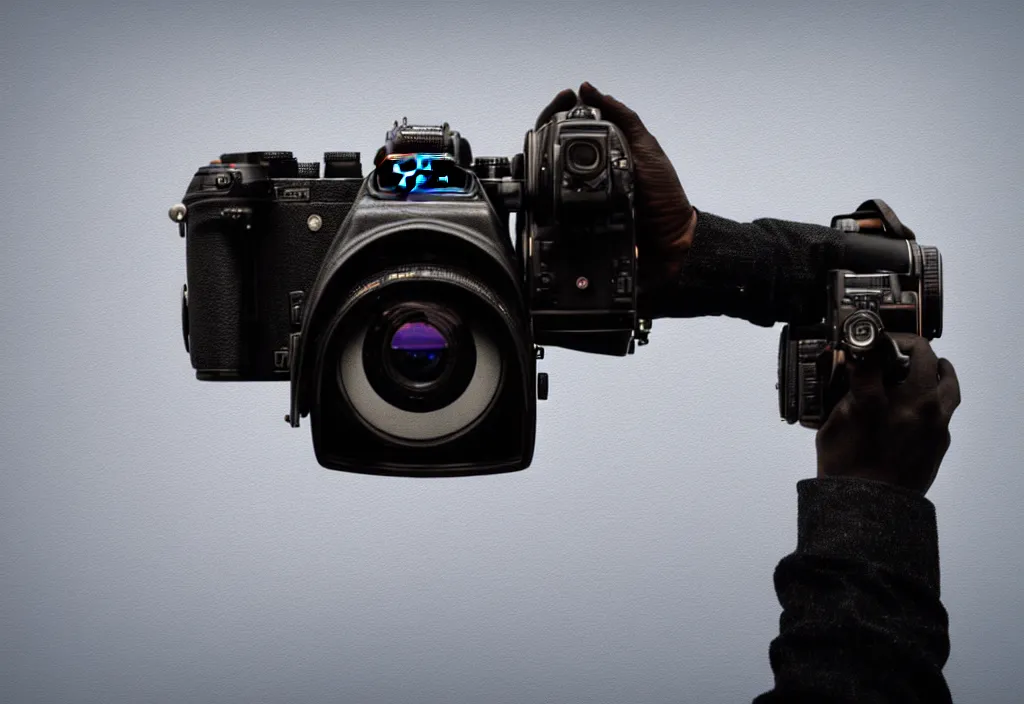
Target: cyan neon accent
[(424, 173)]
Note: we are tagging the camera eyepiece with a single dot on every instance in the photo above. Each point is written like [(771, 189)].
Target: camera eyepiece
[(584, 157), (861, 331)]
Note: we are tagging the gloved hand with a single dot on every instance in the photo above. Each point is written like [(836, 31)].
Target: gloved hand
[(896, 434), (665, 220)]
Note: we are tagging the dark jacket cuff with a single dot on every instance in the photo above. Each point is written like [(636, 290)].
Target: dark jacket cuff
[(891, 527)]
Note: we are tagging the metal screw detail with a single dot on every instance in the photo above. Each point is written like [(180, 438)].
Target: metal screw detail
[(177, 212)]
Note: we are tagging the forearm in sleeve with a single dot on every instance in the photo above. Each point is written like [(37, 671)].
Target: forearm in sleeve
[(765, 271), (862, 620)]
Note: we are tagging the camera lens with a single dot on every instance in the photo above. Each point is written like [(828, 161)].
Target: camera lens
[(421, 357), (418, 352), (584, 157), (418, 371)]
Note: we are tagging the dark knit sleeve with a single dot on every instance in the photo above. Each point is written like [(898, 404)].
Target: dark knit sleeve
[(861, 616), (765, 271)]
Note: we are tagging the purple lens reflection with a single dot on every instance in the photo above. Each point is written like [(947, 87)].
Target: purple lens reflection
[(418, 353), (418, 337)]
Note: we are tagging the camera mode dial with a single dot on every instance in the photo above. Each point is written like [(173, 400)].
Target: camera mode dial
[(254, 157), (492, 166)]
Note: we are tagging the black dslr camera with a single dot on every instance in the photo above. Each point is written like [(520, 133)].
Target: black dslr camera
[(406, 320), (888, 283)]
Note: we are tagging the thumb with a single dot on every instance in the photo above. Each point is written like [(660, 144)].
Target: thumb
[(613, 111), (867, 385)]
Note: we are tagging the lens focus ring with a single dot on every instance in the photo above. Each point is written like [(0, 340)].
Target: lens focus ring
[(931, 292)]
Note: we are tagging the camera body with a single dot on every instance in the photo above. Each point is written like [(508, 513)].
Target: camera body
[(889, 283), (577, 235), (403, 311)]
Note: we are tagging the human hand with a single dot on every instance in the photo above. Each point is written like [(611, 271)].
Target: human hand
[(664, 218), (895, 434)]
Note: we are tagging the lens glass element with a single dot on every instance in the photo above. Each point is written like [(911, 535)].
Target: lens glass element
[(419, 355), (418, 352)]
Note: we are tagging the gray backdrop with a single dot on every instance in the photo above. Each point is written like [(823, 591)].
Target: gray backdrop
[(165, 540)]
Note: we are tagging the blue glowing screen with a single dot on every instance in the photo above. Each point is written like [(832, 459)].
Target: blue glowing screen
[(421, 173)]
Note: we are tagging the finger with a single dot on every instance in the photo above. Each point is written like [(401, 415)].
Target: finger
[(867, 386), (565, 100), (924, 365), (949, 387), (613, 111)]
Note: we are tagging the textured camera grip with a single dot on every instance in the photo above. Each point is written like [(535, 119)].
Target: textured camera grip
[(214, 263)]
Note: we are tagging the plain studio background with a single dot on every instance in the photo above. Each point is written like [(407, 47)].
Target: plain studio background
[(165, 540)]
